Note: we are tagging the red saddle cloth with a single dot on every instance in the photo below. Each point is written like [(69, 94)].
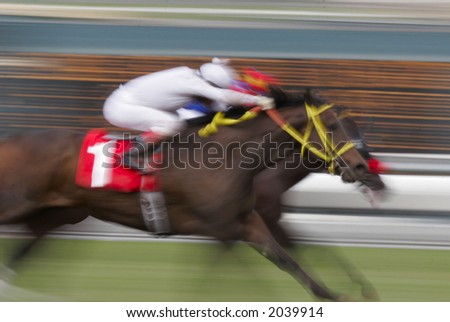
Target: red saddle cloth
[(100, 165)]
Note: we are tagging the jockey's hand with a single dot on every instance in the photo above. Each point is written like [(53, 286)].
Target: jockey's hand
[(266, 103)]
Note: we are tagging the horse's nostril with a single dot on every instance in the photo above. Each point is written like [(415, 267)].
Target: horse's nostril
[(361, 169)]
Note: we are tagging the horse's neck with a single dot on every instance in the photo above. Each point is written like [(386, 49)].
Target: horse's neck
[(275, 144), (252, 145)]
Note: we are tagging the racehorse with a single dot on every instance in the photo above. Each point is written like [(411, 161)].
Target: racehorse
[(202, 198)]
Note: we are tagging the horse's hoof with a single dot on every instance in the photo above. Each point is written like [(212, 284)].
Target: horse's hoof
[(370, 295), (7, 274), (4, 285), (345, 298)]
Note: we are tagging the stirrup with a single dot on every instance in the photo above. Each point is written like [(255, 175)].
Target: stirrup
[(134, 151), (129, 162), (140, 149)]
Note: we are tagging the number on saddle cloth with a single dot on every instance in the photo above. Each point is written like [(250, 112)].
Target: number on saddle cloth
[(100, 165)]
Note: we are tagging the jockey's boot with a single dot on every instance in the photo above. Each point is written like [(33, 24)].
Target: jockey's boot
[(142, 147), (132, 156)]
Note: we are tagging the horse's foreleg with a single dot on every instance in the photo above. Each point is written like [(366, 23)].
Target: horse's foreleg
[(258, 236), (268, 206), (368, 291)]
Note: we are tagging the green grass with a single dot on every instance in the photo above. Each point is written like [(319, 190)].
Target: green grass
[(78, 270)]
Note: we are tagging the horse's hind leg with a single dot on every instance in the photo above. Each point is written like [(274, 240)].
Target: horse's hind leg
[(39, 224), (15, 210), (257, 235), (8, 270)]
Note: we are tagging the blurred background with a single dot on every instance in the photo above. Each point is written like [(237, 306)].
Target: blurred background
[(388, 62)]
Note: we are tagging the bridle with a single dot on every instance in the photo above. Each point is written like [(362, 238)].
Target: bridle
[(331, 152)]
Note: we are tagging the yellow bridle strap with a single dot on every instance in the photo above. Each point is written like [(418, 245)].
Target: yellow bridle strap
[(220, 120), (313, 115), (331, 152)]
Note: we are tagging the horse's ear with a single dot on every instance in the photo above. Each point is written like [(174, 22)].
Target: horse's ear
[(341, 112), (308, 95), (312, 97), (279, 96), (285, 98)]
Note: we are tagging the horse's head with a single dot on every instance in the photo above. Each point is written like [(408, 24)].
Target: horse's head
[(323, 138), (353, 131)]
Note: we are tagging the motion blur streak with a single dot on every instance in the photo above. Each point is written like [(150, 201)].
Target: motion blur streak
[(401, 106)]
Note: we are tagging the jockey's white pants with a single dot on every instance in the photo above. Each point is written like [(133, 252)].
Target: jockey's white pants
[(120, 111)]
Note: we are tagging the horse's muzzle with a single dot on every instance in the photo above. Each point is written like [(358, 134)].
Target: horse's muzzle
[(355, 173)]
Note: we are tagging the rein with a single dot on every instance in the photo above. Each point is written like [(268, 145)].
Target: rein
[(331, 152), (220, 120)]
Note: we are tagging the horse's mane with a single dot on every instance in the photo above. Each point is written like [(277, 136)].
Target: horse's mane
[(313, 97), (281, 97)]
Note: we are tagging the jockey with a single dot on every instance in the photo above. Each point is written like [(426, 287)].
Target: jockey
[(251, 82), (149, 103)]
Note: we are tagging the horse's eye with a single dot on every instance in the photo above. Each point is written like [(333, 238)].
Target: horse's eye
[(332, 126)]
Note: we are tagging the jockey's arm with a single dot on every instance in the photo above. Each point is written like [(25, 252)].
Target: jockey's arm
[(229, 97)]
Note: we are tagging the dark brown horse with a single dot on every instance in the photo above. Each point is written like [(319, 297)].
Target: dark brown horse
[(202, 198)]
